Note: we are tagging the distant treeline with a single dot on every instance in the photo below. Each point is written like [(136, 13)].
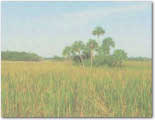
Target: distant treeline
[(25, 56), (139, 58), (19, 56), (57, 58)]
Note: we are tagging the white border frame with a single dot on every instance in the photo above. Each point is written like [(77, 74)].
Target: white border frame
[(153, 54)]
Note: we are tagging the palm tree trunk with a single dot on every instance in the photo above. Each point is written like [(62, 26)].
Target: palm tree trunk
[(81, 60), (91, 57), (98, 39)]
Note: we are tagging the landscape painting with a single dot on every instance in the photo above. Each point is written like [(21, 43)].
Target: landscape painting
[(76, 60)]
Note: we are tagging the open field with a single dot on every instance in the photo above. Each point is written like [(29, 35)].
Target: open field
[(59, 89)]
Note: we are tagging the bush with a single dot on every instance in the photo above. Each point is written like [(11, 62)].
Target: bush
[(99, 61), (105, 60), (119, 56)]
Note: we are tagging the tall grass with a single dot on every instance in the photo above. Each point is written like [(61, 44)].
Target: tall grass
[(59, 89)]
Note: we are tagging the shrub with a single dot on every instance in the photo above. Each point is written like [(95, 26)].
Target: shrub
[(119, 56), (105, 60)]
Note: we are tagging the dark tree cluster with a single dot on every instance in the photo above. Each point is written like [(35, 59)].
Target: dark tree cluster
[(19, 56), (95, 52)]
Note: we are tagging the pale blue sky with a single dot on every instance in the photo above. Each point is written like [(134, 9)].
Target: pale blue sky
[(47, 27)]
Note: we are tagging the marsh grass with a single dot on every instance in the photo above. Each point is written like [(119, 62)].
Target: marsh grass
[(59, 89)]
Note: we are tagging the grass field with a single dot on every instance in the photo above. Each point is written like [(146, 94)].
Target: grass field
[(59, 89)]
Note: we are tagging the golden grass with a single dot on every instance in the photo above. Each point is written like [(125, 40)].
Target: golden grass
[(59, 89)]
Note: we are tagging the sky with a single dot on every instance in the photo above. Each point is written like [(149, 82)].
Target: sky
[(46, 28)]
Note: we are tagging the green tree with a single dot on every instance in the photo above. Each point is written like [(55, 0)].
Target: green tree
[(119, 56), (67, 52), (78, 48), (98, 31), (106, 45), (92, 45)]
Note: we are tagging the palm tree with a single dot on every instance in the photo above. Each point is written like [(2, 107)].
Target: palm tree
[(78, 48), (92, 44), (98, 31)]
